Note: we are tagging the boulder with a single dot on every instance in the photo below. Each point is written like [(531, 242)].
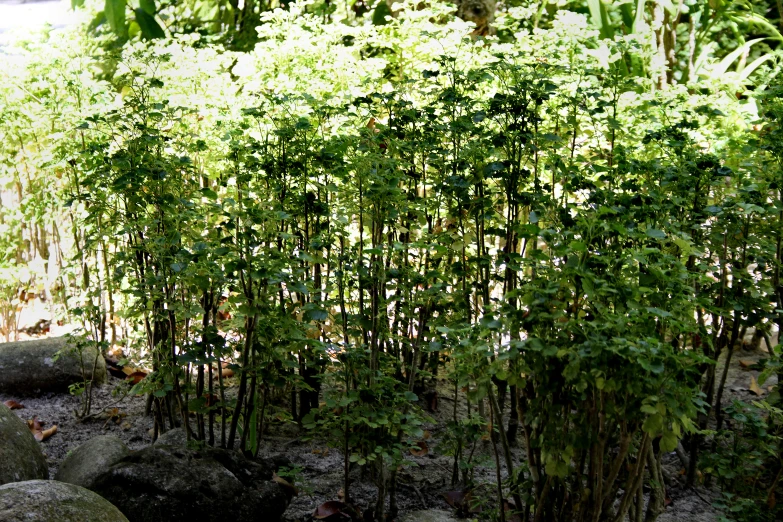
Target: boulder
[(21, 457), (428, 515), (89, 460), (29, 367), (178, 484), (49, 501), (173, 437)]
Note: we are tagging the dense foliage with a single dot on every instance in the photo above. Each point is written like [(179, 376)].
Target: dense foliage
[(570, 223)]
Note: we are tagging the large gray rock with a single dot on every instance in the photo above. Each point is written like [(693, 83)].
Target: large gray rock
[(177, 484), (21, 457), (84, 464), (50, 501), (28, 367), (173, 437)]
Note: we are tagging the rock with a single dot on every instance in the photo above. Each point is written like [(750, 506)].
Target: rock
[(49, 501), (175, 437), (178, 484), (29, 367), (21, 457), (89, 460), (428, 515)]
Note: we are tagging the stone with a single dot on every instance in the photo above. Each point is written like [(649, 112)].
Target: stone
[(179, 484), (49, 501), (173, 437), (428, 515), (85, 463), (21, 457), (176, 437), (29, 367)]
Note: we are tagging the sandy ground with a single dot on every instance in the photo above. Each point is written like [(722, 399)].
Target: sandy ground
[(51, 409)]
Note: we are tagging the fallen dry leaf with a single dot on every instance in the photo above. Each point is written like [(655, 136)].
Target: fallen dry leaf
[(421, 450), (114, 415), (332, 508), (45, 434), (456, 498), (754, 387), (34, 424), (745, 364), (38, 432), (13, 405), (114, 367), (460, 500), (289, 488), (136, 377)]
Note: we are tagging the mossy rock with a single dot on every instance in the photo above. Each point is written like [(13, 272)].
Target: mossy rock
[(178, 484), (88, 461), (21, 457), (31, 367), (50, 501)]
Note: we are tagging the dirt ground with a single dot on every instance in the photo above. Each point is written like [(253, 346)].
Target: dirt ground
[(317, 469)]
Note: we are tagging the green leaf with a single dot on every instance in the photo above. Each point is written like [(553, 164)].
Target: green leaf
[(668, 441), (149, 27), (556, 468), (315, 314), (148, 6), (209, 193), (653, 424), (380, 13), (720, 69), (96, 22), (577, 246), (657, 311), (649, 409), (600, 18), (115, 15), (308, 421), (656, 234), (639, 16)]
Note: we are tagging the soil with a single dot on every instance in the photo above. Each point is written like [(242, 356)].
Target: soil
[(317, 469), (129, 423)]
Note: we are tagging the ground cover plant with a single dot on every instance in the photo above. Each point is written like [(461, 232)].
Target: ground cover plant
[(330, 216)]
